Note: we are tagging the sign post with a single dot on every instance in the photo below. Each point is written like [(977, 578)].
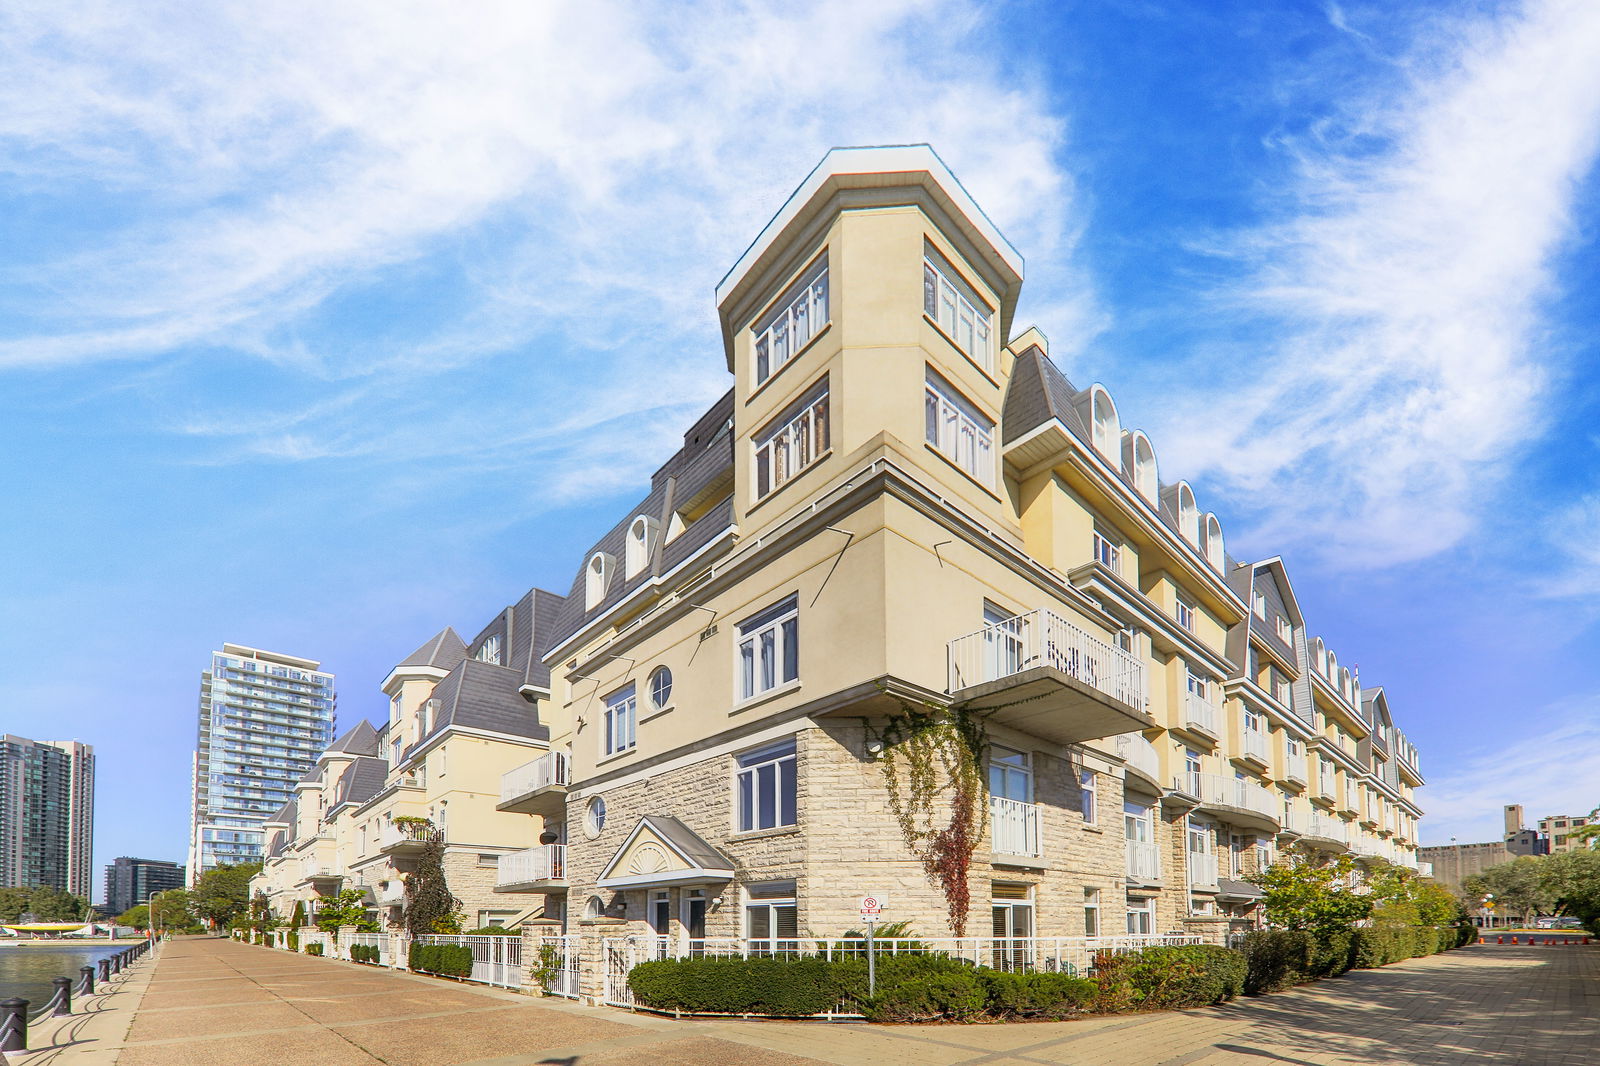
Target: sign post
[(871, 908)]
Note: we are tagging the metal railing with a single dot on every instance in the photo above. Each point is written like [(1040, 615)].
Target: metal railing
[(1255, 744), (1043, 638), (1200, 713), (402, 834), (547, 770), (1215, 789), (1144, 861), (1321, 825), (543, 862), (496, 960), (1140, 754), (1013, 826), (1203, 869)]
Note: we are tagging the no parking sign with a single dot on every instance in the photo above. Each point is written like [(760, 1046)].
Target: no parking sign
[(872, 907)]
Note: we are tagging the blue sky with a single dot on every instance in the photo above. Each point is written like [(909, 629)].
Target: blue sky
[(322, 326)]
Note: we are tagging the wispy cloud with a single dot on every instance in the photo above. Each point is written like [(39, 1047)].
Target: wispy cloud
[(1403, 285), (1554, 771)]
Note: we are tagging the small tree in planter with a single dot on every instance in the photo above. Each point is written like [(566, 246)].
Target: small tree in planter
[(428, 900), (346, 908), (299, 918)]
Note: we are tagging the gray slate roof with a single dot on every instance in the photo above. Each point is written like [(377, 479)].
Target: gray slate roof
[(524, 629), (362, 740), (361, 780), (442, 651), (479, 695), (686, 840)]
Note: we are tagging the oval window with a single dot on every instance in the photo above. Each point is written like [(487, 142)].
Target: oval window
[(594, 818), (661, 687)]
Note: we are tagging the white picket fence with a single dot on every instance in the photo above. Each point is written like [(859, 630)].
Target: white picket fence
[(496, 960)]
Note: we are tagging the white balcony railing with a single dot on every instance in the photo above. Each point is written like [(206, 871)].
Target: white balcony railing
[(1200, 713), (1013, 826), (1144, 861), (1215, 789), (1320, 825), (1203, 868), (392, 896), (1044, 638), (1140, 754), (544, 862), (1255, 745), (547, 770), (393, 835)]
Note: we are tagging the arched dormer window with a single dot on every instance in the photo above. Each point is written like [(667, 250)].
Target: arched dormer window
[(597, 579), (1344, 681), (1105, 428), (1188, 514), (643, 533), (1319, 655), (1213, 542), (1331, 667), (1143, 468)]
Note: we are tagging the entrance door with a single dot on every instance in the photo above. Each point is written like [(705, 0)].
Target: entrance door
[(694, 920), (660, 917), (1012, 909)]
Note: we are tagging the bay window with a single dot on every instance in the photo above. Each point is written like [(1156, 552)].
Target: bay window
[(958, 310), (795, 440), (958, 430), (800, 314)]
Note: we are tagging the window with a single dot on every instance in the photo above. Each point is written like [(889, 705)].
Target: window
[(795, 441), (489, 650), (1141, 917), (1183, 611), (485, 859), (801, 313), (1285, 629), (643, 533), (1293, 747), (1091, 912), (1086, 796), (1254, 722), (1107, 552), (1195, 684), (621, 714), (771, 917), (597, 579), (1191, 761), (769, 649), (594, 816), (1237, 846), (951, 303), (1002, 642), (660, 687), (957, 430), (1010, 775), (766, 787)]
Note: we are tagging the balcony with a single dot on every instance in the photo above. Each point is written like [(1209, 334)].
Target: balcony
[(1203, 869), (1043, 675), (1255, 747), (1141, 757), (538, 787), (1143, 862), (1295, 772), (393, 896), (537, 869), (406, 839), (1236, 801), (1200, 715), (322, 877), (1326, 832), (1424, 869), (1013, 827)]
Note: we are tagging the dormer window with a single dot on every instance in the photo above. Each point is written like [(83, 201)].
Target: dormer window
[(597, 579), (1188, 514), (956, 308), (1107, 428), (1213, 545), (799, 315), (489, 650), (642, 536), (1145, 478)]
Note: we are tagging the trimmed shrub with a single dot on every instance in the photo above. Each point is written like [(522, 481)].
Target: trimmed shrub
[(1466, 933), (1330, 953), (779, 987), (1276, 959), (448, 960), (1192, 976), (314, 949), (1035, 995), (294, 940), (492, 930), (956, 996), (364, 953)]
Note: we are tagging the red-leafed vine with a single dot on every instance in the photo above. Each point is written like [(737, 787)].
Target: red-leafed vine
[(933, 766)]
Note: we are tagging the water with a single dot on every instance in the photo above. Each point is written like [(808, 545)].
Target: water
[(26, 969)]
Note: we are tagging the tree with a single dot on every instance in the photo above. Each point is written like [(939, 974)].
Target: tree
[(1302, 893), (1573, 879), (346, 908), (138, 917), (171, 909), (429, 904), (45, 903), (223, 893), (1519, 887)]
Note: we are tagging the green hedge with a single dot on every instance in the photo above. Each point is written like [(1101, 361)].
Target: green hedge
[(367, 953), (1164, 978), (1282, 958), (449, 960), (294, 940), (314, 949)]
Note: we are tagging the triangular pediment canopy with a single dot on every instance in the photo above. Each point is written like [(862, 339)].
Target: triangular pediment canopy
[(663, 851)]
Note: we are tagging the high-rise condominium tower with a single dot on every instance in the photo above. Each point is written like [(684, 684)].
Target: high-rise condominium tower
[(46, 813), (264, 719)]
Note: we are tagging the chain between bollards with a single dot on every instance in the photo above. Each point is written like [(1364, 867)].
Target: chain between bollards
[(13, 1025)]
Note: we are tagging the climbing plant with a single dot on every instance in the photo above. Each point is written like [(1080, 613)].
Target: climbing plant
[(428, 898), (933, 769)]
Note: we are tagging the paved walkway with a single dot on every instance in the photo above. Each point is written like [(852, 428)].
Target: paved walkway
[(215, 1001)]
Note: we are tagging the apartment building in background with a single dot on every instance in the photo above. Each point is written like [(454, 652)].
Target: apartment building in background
[(461, 716), (1453, 863), (130, 881), (46, 814), (896, 508), (264, 719), (1557, 829)]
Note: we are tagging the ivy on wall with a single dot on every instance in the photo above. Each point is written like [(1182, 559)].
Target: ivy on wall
[(933, 761)]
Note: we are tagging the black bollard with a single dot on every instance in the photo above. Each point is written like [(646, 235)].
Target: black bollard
[(13, 1025), (63, 996), (105, 970), (85, 980)]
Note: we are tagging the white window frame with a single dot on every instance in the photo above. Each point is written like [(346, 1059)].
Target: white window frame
[(773, 942), (1183, 613), (955, 428), (1092, 924), (489, 650), (619, 732), (597, 579), (643, 533), (751, 650), (1285, 629), (773, 767), (1141, 918), (791, 445), (799, 314), (958, 311), (1088, 800), (660, 688), (1107, 552)]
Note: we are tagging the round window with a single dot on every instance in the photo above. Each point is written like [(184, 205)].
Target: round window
[(594, 818), (661, 687)]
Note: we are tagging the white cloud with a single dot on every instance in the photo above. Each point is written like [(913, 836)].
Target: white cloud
[(1573, 534), (1556, 771), (1405, 290)]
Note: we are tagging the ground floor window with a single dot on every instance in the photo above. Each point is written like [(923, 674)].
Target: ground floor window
[(1204, 908), (496, 918), (1091, 912), (771, 917), (1141, 916), (1011, 906)]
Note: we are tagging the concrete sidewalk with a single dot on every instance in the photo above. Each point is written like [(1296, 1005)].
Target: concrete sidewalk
[(218, 1001)]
